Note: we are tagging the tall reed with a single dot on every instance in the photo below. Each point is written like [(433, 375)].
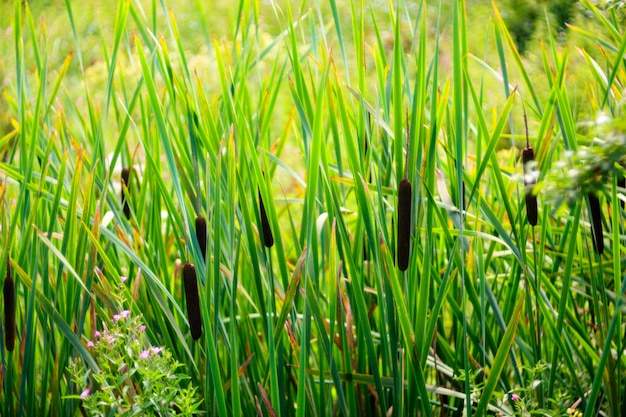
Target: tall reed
[(405, 202)]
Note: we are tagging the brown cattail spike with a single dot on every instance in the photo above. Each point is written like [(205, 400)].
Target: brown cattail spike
[(528, 156), (268, 238), (404, 223), (596, 223), (194, 315), (125, 191), (201, 234), (9, 309)]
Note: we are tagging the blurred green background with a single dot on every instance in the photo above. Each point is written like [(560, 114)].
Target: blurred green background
[(529, 21)]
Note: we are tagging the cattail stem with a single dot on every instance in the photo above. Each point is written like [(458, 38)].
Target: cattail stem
[(268, 237), (404, 223), (125, 191), (463, 195), (201, 233), (9, 309), (596, 223), (194, 314), (621, 182), (528, 156)]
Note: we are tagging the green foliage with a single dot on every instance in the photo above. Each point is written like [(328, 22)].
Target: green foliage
[(524, 16), (319, 110), (521, 20), (563, 11), (592, 167), (133, 377)]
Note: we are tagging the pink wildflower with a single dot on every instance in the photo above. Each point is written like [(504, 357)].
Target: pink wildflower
[(123, 278), (97, 334), (89, 343), (156, 350), (84, 394), (122, 315), (142, 327), (144, 354)]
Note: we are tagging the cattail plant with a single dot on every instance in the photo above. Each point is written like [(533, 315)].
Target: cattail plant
[(194, 315), (404, 215), (201, 234), (125, 191), (404, 223), (9, 309), (596, 222), (268, 238), (528, 156)]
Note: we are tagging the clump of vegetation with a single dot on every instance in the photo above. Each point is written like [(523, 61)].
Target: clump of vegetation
[(589, 172), (133, 377), (590, 168)]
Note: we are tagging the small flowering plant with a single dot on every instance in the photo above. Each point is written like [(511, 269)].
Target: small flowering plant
[(134, 378), (590, 169)]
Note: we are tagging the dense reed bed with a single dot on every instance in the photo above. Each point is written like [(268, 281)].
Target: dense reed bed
[(267, 159)]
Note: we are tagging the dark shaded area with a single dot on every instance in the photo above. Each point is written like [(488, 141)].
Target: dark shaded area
[(521, 18)]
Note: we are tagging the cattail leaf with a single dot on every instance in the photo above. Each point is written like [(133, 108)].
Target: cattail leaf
[(268, 238), (501, 357), (194, 315), (404, 224), (449, 205), (266, 401), (9, 309)]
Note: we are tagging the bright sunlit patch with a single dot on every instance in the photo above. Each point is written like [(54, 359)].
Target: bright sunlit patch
[(320, 222), (106, 219)]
